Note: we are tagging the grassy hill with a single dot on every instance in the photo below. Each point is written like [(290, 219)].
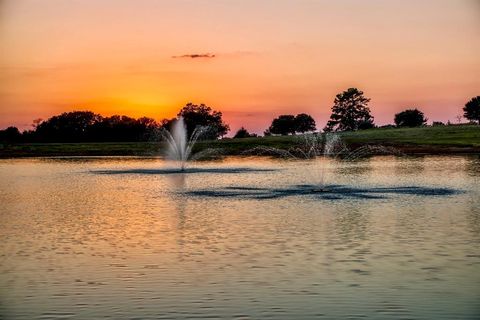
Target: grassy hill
[(423, 140)]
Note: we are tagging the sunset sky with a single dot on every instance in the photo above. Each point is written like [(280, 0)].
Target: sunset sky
[(252, 60)]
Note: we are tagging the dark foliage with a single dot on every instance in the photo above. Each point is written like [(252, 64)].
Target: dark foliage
[(167, 123), (10, 135), (86, 126), (284, 124), (243, 133), (304, 123), (202, 115), (363, 125), (123, 128), (472, 109), (290, 124), (410, 118), (350, 112), (67, 127)]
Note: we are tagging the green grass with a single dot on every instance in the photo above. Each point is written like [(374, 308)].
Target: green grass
[(441, 139), (80, 149), (446, 136)]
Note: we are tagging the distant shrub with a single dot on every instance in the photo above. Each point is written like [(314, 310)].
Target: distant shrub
[(410, 118), (387, 126), (243, 133), (363, 125), (437, 123)]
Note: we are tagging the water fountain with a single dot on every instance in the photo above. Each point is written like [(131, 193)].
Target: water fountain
[(331, 146), (179, 146), (323, 148)]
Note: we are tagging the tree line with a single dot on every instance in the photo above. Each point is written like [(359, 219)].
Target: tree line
[(350, 112), (86, 126)]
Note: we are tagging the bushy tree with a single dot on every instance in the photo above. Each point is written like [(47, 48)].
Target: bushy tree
[(304, 123), (472, 109), (284, 124), (243, 133), (290, 124), (410, 118), (203, 116), (350, 111), (83, 126), (10, 135), (123, 128), (67, 127)]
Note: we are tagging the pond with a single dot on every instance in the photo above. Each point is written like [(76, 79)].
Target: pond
[(247, 238)]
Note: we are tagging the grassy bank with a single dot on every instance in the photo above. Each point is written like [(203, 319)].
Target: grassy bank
[(424, 140)]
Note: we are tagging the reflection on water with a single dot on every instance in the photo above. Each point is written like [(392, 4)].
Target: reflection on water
[(473, 166), (328, 192), (411, 167), (141, 243)]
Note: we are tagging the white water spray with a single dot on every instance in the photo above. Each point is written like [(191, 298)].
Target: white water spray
[(179, 146)]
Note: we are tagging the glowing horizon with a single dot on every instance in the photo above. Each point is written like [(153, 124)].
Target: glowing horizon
[(251, 60)]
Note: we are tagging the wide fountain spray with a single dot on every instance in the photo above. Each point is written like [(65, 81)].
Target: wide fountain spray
[(324, 148), (179, 146)]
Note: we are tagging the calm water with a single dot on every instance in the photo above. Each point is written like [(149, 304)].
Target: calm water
[(118, 238)]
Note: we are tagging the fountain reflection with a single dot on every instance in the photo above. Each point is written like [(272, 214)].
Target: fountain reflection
[(328, 192)]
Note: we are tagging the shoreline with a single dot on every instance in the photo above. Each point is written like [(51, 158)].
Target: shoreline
[(439, 140), (143, 150)]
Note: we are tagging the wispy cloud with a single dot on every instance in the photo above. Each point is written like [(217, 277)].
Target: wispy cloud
[(195, 56)]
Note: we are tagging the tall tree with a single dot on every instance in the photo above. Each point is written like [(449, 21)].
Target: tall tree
[(283, 125), (304, 123), (350, 111), (203, 116), (472, 109), (410, 118)]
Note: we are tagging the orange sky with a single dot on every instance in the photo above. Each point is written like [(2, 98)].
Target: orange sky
[(270, 57)]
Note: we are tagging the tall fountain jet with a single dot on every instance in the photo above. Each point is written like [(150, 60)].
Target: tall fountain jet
[(179, 146)]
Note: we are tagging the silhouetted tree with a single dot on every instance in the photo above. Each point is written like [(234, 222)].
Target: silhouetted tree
[(472, 109), (67, 127), (243, 133), (350, 112), (36, 122), (83, 126), (202, 115), (148, 128), (167, 123), (364, 125), (10, 135), (283, 125), (123, 128), (410, 118), (304, 123)]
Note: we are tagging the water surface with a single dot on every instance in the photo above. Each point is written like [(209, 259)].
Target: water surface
[(127, 238)]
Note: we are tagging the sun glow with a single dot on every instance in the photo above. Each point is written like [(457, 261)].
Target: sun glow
[(141, 59)]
